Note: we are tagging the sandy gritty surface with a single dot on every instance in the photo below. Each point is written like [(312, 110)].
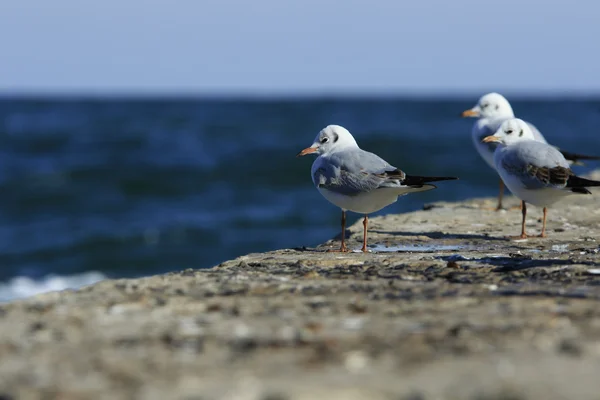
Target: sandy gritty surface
[(445, 307)]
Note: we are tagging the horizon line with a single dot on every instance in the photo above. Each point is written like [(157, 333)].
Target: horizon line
[(292, 94)]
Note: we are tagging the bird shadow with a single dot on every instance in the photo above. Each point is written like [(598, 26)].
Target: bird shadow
[(320, 247), (442, 235), (518, 263)]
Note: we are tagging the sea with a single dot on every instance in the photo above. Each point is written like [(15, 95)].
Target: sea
[(99, 187)]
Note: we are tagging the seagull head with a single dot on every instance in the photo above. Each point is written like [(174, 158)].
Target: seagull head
[(331, 138), (491, 105), (511, 131)]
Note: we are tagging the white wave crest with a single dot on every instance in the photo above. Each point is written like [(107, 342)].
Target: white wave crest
[(21, 286)]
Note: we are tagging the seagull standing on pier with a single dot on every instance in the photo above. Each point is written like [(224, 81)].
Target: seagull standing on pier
[(492, 110), (534, 171), (356, 180)]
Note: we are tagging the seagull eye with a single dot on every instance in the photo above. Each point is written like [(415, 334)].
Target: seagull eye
[(484, 105), (521, 133), (497, 106), (325, 140), (508, 132)]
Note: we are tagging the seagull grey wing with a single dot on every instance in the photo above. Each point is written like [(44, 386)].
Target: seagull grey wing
[(541, 154), (340, 180), (352, 172), (537, 165)]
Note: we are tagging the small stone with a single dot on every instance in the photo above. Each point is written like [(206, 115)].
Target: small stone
[(570, 347)]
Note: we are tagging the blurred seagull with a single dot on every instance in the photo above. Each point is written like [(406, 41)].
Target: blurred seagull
[(356, 180), (492, 109), (534, 171)]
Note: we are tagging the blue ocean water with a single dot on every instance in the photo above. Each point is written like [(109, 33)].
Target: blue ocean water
[(133, 187)]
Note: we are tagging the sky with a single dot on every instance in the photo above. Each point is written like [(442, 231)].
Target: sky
[(299, 46)]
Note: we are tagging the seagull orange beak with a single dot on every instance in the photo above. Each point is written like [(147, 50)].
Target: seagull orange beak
[(469, 113), (306, 151), (490, 139)]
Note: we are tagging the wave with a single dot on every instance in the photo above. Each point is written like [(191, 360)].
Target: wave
[(22, 286)]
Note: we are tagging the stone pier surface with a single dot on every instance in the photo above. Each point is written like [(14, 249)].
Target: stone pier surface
[(444, 307)]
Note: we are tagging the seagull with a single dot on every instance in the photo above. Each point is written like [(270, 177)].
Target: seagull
[(534, 171), (491, 110), (356, 180)]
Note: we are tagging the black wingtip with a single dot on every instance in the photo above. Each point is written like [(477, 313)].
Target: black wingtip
[(420, 180), (578, 184), (575, 157)]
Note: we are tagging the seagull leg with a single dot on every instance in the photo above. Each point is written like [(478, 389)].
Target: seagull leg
[(500, 195), (523, 235), (343, 247), (524, 212), (365, 224), (543, 234)]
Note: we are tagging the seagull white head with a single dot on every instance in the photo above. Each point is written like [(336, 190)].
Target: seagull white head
[(511, 131), (491, 105), (331, 138)]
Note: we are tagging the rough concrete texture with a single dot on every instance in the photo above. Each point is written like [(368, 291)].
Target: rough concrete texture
[(451, 310)]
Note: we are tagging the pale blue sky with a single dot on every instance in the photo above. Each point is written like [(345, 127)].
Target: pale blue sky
[(304, 46)]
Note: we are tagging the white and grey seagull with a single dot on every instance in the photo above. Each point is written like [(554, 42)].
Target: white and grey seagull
[(534, 171), (356, 180), (493, 109)]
